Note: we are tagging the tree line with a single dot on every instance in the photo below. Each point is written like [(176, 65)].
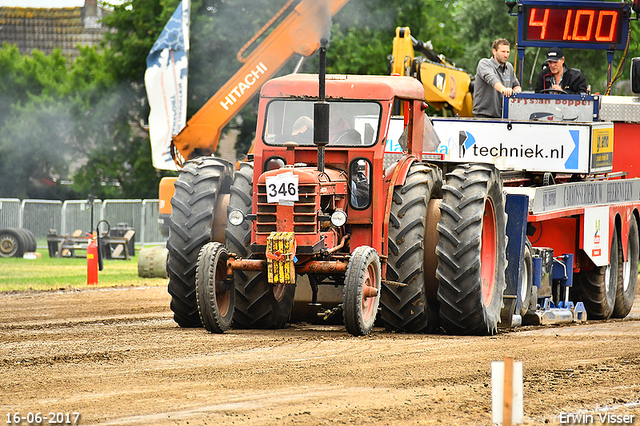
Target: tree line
[(73, 128)]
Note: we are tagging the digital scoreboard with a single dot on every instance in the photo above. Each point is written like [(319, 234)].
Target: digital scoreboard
[(573, 24)]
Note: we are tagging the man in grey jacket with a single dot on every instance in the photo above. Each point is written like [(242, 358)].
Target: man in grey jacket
[(495, 78)]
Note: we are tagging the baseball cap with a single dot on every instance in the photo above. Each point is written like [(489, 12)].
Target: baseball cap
[(554, 54)]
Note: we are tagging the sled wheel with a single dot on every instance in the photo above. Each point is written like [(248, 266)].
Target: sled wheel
[(410, 308), (471, 250), (215, 296), (626, 289), (200, 183), (525, 288), (361, 291), (597, 288), (258, 304), (11, 243)]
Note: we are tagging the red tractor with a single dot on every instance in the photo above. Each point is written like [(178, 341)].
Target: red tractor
[(318, 200)]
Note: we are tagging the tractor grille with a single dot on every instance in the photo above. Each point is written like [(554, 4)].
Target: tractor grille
[(304, 212)]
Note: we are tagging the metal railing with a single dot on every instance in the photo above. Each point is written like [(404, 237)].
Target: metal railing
[(41, 216)]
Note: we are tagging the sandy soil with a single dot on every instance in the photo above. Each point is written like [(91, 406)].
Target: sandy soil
[(116, 357)]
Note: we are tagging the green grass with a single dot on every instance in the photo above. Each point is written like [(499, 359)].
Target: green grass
[(45, 273)]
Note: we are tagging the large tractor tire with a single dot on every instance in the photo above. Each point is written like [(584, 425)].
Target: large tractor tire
[(200, 183), (12, 243), (409, 308), (361, 291), (597, 288), (258, 303), (626, 289), (472, 250)]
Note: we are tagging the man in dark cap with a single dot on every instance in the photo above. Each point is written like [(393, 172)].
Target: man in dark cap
[(555, 75)]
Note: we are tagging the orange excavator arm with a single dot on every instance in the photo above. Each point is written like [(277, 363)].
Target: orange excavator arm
[(300, 32)]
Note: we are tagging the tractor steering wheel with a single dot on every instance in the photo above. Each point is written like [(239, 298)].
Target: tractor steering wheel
[(554, 91)]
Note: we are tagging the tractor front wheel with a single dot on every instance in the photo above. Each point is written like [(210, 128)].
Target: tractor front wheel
[(214, 294), (361, 291)]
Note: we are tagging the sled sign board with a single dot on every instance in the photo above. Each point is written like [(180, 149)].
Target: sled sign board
[(596, 234), (527, 145)]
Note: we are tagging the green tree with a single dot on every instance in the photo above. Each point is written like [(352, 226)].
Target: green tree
[(41, 98), (362, 34)]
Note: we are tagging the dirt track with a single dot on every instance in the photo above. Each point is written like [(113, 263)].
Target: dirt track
[(116, 357)]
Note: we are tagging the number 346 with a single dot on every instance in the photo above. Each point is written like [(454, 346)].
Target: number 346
[(284, 189)]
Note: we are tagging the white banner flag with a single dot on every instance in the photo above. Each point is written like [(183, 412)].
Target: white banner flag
[(166, 84)]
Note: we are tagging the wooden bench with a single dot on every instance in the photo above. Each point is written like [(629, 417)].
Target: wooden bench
[(67, 246), (114, 247)]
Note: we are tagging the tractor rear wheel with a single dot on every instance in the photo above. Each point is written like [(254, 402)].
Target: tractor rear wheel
[(409, 308), (214, 294), (258, 303), (361, 291), (626, 289), (597, 288), (200, 183), (472, 250), (12, 243)]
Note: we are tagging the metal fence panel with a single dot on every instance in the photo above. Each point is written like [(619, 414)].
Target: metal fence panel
[(9, 213), (39, 216), (76, 214), (123, 211), (150, 231)]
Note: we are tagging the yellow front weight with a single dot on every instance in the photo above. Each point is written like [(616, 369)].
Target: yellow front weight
[(281, 250)]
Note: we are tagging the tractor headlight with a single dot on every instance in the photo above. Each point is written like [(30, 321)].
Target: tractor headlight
[(338, 218), (236, 217)]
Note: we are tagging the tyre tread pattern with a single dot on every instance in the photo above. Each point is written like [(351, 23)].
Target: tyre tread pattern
[(199, 183), (625, 297), (407, 308), (352, 313), (462, 310), (208, 308), (592, 289), (255, 304)]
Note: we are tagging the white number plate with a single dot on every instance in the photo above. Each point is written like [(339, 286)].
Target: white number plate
[(283, 187)]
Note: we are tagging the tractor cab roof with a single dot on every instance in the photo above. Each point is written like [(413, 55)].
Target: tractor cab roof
[(344, 87)]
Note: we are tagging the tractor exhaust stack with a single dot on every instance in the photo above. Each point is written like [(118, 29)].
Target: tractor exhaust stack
[(321, 109)]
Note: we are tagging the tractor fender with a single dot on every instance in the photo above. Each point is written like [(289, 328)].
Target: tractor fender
[(395, 175)]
